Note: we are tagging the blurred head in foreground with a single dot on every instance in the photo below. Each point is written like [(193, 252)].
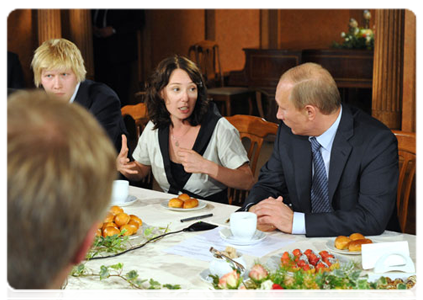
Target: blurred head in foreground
[(60, 170)]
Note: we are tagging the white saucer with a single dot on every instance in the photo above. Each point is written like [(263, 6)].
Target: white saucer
[(204, 275), (129, 200), (226, 235)]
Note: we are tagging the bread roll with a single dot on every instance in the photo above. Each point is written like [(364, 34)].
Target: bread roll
[(191, 203), (184, 197), (341, 242), (356, 236), (176, 203), (356, 245)]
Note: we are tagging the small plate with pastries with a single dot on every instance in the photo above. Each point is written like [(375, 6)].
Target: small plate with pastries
[(348, 245), (184, 203)]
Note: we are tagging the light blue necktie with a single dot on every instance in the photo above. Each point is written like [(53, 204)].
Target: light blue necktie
[(319, 185)]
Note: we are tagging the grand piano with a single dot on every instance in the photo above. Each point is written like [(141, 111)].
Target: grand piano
[(351, 69)]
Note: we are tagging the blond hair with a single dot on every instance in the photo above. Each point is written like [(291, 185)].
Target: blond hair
[(60, 170), (313, 85), (58, 54)]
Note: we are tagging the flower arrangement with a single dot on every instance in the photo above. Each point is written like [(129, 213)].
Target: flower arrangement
[(357, 37), (343, 283)]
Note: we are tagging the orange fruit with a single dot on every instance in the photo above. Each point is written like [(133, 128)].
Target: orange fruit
[(130, 229), (100, 224), (184, 197), (356, 236), (110, 230), (114, 210), (122, 219), (109, 224), (98, 233), (136, 219), (135, 223), (108, 218)]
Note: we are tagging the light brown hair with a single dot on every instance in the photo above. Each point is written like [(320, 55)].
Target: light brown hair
[(61, 166), (58, 54), (313, 85)]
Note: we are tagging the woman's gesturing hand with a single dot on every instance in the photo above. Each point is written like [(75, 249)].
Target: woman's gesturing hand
[(123, 164)]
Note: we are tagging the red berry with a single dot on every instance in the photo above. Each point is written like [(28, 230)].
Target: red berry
[(276, 286)]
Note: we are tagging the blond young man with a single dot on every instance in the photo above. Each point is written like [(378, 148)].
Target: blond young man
[(60, 170), (344, 183), (59, 68)]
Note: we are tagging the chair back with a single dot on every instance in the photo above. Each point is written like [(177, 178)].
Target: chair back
[(255, 130), (206, 55), (138, 117), (138, 113), (407, 171)]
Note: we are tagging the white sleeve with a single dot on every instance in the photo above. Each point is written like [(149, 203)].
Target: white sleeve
[(147, 139), (231, 151)]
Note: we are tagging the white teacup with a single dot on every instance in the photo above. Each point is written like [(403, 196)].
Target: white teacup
[(243, 225), (120, 191), (221, 266)]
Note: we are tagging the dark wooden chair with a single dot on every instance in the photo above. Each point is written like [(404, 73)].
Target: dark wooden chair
[(136, 118), (253, 130), (206, 55), (406, 182)]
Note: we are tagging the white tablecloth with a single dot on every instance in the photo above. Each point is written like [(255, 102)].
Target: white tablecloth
[(154, 261)]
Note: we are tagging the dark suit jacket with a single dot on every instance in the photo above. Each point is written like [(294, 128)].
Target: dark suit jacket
[(15, 76), (363, 176), (104, 104)]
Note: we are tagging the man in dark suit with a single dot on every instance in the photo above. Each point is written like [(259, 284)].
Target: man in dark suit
[(59, 68), (15, 76), (347, 184), (115, 47)]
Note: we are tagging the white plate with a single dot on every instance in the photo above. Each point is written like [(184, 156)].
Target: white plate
[(331, 246), (274, 262), (204, 275), (226, 235), (201, 205), (129, 200)]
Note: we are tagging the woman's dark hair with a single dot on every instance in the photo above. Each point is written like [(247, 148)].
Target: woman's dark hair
[(156, 107)]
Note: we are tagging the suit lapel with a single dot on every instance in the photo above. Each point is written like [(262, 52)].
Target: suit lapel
[(82, 94), (341, 150), (302, 171)]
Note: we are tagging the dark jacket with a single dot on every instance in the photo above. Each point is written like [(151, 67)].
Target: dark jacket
[(104, 104), (363, 177)]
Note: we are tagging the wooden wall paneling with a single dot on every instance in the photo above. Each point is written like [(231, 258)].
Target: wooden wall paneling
[(387, 67), (409, 78), (81, 34), (210, 24), (22, 39), (236, 29), (49, 25)]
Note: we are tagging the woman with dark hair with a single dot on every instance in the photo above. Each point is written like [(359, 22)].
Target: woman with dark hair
[(187, 144)]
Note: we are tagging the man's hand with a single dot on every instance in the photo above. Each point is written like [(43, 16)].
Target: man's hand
[(273, 213)]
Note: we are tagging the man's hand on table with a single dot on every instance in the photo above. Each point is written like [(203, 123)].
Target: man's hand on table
[(273, 214)]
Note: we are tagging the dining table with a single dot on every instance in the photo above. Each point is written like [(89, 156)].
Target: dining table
[(182, 257)]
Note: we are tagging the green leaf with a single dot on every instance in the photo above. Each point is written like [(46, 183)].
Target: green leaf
[(132, 275), (104, 272), (172, 287), (117, 266), (401, 286)]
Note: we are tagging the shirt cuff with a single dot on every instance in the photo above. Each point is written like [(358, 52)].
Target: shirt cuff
[(298, 223)]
